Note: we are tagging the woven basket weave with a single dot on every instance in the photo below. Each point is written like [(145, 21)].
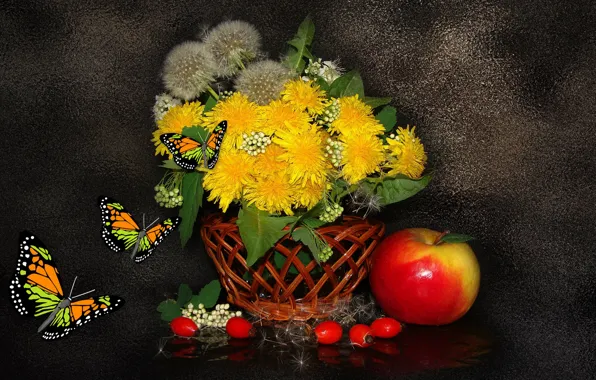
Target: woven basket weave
[(297, 290)]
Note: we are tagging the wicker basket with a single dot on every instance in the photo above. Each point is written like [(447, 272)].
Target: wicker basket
[(297, 287)]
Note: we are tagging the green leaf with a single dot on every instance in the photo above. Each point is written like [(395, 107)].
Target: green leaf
[(208, 295), (455, 238), (396, 189), (322, 84), (184, 294), (280, 260), (313, 222), (196, 133), (163, 305), (169, 310), (170, 164), (299, 46), (376, 102), (388, 117), (247, 276), (210, 103), (260, 231), (316, 210), (347, 85), (192, 193), (312, 241)]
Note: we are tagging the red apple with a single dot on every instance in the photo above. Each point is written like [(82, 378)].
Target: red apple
[(418, 279)]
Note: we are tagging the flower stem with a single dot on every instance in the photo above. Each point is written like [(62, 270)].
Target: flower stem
[(212, 92)]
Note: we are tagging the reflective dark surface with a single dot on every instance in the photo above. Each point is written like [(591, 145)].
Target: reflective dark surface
[(289, 350)]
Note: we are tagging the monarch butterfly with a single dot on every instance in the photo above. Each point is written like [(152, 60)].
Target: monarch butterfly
[(120, 232), (36, 290), (188, 153)]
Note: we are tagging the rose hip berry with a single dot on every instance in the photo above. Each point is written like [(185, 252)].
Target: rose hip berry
[(183, 326), (385, 327), (328, 332), (238, 327), (361, 335)]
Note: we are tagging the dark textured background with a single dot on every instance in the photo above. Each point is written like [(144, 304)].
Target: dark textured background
[(504, 96)]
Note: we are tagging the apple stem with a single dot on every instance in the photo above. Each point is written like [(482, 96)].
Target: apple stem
[(438, 239)]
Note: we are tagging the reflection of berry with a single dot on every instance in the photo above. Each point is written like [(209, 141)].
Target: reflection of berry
[(385, 327), (328, 332), (361, 335)]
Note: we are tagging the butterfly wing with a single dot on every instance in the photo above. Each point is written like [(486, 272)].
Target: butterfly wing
[(79, 312), (154, 236), (187, 152), (119, 231), (36, 288), (214, 144)]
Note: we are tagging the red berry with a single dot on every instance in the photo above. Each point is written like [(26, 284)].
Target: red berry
[(183, 326), (328, 332), (385, 327), (238, 327), (361, 335)]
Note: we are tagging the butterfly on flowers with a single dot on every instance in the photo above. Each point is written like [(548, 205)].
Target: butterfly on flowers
[(36, 290), (189, 153), (120, 231)]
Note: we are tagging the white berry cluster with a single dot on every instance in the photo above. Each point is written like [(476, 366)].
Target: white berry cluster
[(331, 213), (327, 70), (163, 103), (334, 150), (225, 94), (218, 317), (168, 198), (255, 143), (330, 113)]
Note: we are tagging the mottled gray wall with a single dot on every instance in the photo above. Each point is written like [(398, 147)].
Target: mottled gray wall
[(503, 94)]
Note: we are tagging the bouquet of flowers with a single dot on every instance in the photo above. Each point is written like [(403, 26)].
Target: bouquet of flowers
[(294, 143)]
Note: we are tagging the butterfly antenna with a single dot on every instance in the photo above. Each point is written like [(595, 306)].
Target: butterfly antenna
[(82, 294), (72, 287), (152, 223)]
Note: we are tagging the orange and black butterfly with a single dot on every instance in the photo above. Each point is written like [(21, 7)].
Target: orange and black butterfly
[(36, 290), (120, 231), (189, 153)]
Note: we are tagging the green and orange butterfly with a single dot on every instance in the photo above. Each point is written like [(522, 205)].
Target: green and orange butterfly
[(120, 232), (189, 153), (36, 290)]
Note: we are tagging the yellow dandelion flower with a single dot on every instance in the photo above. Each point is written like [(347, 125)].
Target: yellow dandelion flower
[(242, 116), (362, 155), (178, 117), (407, 153), (270, 163), (305, 152), (309, 194), (305, 96), (273, 194), (226, 181), (280, 115), (355, 116)]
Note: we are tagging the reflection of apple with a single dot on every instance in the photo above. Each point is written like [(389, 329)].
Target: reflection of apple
[(417, 279)]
